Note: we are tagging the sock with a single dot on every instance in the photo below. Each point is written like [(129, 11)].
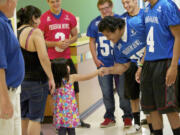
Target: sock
[(158, 132), (136, 117), (176, 131), (150, 127)]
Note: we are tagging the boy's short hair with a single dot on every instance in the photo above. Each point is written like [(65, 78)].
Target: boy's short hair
[(111, 24), (101, 2)]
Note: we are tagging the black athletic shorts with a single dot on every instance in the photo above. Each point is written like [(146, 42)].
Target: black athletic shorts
[(131, 87), (73, 71), (155, 94)]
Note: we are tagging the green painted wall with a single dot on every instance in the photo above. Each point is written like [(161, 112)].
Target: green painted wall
[(85, 9)]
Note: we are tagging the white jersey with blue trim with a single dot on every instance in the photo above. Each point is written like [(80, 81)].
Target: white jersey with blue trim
[(158, 19), (131, 47), (104, 47)]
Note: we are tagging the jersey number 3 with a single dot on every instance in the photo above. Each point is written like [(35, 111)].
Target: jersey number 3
[(60, 35), (150, 39)]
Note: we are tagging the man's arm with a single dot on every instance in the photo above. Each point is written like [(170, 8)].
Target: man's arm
[(119, 68), (116, 69), (92, 46), (6, 108), (176, 50), (53, 44), (65, 43), (138, 72), (172, 71), (74, 35)]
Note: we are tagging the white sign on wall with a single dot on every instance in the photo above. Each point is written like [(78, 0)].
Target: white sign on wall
[(14, 23), (78, 24)]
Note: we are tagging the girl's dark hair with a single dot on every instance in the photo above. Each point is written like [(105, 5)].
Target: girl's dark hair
[(111, 24), (60, 70), (25, 15)]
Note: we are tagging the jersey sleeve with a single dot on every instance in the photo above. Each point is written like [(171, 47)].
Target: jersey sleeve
[(4, 35), (171, 14), (119, 57), (43, 23), (73, 21), (143, 16), (91, 31)]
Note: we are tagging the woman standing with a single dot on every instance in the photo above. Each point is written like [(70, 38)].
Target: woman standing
[(37, 70)]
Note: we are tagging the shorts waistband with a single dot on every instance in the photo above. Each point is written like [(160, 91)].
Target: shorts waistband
[(34, 82)]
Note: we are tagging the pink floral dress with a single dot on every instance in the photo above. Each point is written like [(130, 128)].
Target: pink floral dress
[(66, 110)]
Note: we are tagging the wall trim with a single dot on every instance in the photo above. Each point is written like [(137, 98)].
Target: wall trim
[(91, 109)]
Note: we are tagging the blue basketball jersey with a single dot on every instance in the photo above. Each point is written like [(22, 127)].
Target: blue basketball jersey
[(104, 47), (160, 40), (131, 47)]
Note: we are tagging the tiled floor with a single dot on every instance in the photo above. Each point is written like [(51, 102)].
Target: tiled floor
[(97, 117)]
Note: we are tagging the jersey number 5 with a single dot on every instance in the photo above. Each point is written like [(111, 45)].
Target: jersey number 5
[(106, 46), (138, 55), (150, 39)]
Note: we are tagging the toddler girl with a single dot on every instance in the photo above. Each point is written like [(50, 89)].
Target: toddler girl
[(66, 116)]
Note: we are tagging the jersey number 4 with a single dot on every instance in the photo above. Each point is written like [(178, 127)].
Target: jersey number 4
[(150, 39)]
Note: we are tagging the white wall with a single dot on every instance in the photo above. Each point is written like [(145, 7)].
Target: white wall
[(118, 8)]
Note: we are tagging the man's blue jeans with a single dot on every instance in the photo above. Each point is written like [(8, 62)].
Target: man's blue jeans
[(106, 84)]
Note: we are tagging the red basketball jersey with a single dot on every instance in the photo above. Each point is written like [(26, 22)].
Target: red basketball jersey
[(57, 29)]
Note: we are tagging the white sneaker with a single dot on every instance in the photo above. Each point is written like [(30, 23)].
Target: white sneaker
[(134, 130)]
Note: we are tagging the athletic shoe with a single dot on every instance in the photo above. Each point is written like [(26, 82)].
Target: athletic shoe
[(144, 122), (107, 123), (41, 133), (134, 130), (57, 133), (84, 125)]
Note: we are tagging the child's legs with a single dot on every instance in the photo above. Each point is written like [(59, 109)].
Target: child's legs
[(62, 131), (71, 131)]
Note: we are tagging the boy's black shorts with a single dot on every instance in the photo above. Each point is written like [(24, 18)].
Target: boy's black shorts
[(130, 85), (155, 94)]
